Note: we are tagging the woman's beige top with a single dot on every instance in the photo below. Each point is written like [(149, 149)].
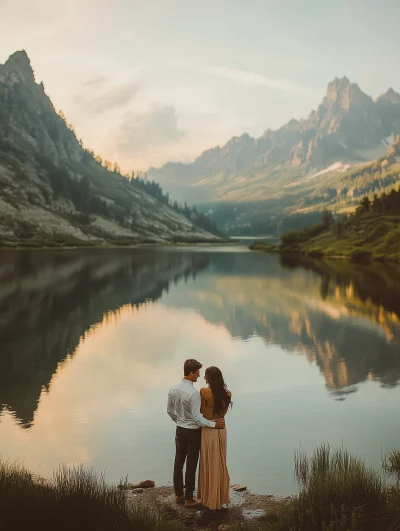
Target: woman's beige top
[(207, 405)]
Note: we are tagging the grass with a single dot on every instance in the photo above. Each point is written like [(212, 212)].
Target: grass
[(391, 465), (337, 493), (337, 487), (75, 499)]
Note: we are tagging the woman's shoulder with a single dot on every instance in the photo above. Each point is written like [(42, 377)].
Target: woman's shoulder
[(205, 391)]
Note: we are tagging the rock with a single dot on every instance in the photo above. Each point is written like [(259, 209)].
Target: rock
[(254, 513), (224, 527), (137, 491), (238, 488), (138, 487), (147, 484)]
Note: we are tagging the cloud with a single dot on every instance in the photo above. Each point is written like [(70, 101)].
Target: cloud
[(250, 79), (114, 98), (96, 81), (142, 131)]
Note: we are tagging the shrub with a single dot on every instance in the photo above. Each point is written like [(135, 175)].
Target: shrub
[(361, 256), (289, 238), (315, 253), (393, 238), (378, 231), (294, 237)]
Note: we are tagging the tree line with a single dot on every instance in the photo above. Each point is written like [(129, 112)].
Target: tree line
[(15, 106), (200, 219), (384, 204), (141, 182)]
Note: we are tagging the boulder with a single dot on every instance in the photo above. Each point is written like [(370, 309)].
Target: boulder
[(147, 484), (238, 488)]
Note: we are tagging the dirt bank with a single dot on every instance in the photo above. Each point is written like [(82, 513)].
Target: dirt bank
[(244, 506)]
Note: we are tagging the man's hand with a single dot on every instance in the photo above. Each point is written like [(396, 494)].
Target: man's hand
[(220, 424)]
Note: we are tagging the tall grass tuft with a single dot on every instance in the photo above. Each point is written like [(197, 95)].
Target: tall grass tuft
[(75, 499), (338, 493), (391, 464)]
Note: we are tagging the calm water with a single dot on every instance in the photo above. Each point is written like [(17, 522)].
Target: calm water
[(91, 341)]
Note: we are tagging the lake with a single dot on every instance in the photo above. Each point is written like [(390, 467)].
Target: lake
[(91, 341)]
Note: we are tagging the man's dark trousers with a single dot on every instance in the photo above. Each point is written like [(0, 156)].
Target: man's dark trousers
[(187, 444)]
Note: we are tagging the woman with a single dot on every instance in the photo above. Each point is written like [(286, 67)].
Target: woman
[(213, 489)]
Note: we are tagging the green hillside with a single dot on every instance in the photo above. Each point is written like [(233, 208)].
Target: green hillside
[(372, 232)]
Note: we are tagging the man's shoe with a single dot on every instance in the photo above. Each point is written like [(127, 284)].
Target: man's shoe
[(180, 500), (192, 504)]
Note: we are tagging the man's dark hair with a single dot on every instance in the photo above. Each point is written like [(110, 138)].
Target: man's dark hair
[(191, 366)]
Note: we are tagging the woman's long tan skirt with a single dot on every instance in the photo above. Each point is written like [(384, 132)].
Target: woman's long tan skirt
[(213, 488)]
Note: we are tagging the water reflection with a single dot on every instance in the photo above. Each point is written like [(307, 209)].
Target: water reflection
[(91, 341), (350, 336), (50, 300), (367, 299), (343, 317)]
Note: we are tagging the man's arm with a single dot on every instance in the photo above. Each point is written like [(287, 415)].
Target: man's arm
[(171, 409), (195, 403)]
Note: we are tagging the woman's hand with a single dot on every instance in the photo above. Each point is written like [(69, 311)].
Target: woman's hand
[(220, 424)]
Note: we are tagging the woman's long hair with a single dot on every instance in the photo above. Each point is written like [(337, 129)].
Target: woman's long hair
[(222, 398)]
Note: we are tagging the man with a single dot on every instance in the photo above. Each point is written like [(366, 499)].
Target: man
[(184, 409)]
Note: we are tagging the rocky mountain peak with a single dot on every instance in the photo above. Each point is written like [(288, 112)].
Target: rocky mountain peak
[(292, 123), (336, 87), (347, 126), (20, 64), (390, 96), (344, 94), (339, 83)]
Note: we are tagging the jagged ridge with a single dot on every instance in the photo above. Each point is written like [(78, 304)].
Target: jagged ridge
[(348, 126)]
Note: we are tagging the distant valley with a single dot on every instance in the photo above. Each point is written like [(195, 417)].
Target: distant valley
[(342, 151)]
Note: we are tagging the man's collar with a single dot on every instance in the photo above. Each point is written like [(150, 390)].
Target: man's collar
[(186, 380)]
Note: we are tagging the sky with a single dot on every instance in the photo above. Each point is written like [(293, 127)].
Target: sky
[(146, 82)]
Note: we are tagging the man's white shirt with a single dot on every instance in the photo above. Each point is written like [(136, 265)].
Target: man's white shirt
[(184, 406)]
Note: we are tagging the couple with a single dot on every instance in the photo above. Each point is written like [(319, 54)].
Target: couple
[(191, 410)]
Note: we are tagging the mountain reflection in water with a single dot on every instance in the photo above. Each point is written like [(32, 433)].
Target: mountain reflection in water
[(50, 300), (91, 340)]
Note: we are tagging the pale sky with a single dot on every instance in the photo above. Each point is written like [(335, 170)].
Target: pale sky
[(149, 81)]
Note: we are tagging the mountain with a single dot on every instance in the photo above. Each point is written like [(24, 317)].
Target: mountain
[(390, 97), (349, 128), (54, 192)]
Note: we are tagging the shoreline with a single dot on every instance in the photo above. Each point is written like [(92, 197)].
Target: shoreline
[(111, 246), (243, 506), (317, 255), (336, 488)]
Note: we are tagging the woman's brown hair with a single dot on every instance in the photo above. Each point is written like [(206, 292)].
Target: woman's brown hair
[(221, 395)]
